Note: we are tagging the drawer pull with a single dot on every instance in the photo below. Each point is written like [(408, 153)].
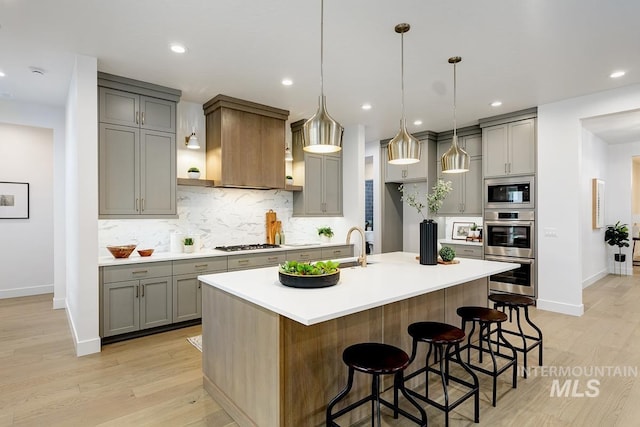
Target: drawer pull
[(467, 250), (272, 258), (304, 256), (243, 261), (201, 265), (140, 272)]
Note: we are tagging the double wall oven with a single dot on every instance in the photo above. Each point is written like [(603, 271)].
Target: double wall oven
[(509, 233)]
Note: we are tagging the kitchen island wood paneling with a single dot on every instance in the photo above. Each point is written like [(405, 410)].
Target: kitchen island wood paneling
[(272, 355)]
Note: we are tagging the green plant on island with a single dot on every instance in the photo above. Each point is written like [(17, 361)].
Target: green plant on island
[(325, 231), (188, 241), (447, 253), (433, 201), (309, 269), (193, 169)]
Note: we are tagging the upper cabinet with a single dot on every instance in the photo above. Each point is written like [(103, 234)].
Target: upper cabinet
[(414, 172), (509, 144), (321, 178), (245, 143), (466, 194), (137, 148)]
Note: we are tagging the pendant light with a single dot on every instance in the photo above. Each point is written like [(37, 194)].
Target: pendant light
[(321, 133), (455, 160), (404, 148)]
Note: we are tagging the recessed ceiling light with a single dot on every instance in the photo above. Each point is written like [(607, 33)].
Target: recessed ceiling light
[(417, 122), (2, 74), (177, 48), (366, 106), (496, 103), (616, 74), (287, 82)]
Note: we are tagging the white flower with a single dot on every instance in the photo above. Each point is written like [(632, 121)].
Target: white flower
[(434, 200)]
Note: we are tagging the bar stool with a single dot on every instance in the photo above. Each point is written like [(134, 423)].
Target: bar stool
[(376, 359), (443, 338), (514, 302), (486, 317)]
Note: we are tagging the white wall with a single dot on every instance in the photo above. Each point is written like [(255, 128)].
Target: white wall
[(26, 155), (190, 115), (28, 114), (594, 165), (82, 205), (560, 206), (372, 149)]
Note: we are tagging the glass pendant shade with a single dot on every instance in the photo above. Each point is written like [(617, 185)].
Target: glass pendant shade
[(455, 160), (322, 134), (193, 142), (404, 148)]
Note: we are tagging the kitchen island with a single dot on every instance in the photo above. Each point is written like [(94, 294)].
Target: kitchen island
[(272, 355)]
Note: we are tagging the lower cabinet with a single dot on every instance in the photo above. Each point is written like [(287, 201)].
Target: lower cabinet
[(136, 304), (187, 298)]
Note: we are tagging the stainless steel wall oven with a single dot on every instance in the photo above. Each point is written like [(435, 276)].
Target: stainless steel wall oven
[(509, 236)]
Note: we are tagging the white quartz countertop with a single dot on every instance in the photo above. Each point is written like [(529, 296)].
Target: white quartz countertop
[(134, 258), (391, 277)]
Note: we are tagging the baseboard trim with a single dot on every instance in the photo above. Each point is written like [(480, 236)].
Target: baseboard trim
[(59, 303), (560, 307), (26, 292), (593, 279), (85, 347)]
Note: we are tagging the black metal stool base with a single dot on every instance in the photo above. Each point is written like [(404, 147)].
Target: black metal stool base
[(376, 359), (485, 322)]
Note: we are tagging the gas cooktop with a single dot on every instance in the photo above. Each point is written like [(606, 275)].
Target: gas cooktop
[(246, 247)]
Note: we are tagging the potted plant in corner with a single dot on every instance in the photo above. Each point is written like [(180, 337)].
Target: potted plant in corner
[(428, 228), (188, 245), (325, 233), (193, 172), (288, 180), (618, 235)]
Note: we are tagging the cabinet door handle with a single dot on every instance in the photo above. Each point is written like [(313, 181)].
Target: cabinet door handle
[(142, 205), (137, 286), (140, 272), (142, 291), (505, 168), (137, 118), (199, 284), (509, 167), (137, 205), (142, 117)]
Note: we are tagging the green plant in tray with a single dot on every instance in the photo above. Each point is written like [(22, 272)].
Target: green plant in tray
[(309, 269)]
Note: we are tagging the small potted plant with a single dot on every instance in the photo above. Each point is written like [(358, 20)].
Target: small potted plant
[(473, 231), (325, 233), (288, 180), (188, 244), (447, 254), (618, 235), (193, 172)]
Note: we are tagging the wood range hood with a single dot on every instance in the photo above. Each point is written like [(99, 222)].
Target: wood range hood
[(245, 143)]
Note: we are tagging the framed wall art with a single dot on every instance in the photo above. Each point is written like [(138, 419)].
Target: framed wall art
[(597, 203), (14, 200), (460, 230)]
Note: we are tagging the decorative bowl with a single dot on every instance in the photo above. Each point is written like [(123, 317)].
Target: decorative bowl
[(122, 251), (317, 281), (145, 252)]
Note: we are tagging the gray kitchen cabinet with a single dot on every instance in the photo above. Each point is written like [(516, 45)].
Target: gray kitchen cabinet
[(187, 289), (247, 261), (136, 297), (336, 252), (467, 251), (509, 148), (137, 148), (466, 194), (414, 172), (304, 255), (320, 176)]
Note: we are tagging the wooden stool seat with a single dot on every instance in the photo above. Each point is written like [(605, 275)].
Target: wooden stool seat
[(529, 342), (376, 359), (486, 317), (442, 338)]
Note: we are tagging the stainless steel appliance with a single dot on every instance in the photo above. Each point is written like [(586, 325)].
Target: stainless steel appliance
[(246, 247), (510, 193), (509, 236)]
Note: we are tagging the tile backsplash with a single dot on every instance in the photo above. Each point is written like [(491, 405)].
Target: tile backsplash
[(222, 216)]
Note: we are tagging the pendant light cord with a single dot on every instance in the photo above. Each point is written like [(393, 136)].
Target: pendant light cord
[(402, 71), (455, 132), (321, 47)]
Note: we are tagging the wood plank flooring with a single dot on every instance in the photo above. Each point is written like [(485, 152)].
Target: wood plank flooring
[(157, 380)]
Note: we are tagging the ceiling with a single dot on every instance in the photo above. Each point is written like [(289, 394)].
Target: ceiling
[(524, 53)]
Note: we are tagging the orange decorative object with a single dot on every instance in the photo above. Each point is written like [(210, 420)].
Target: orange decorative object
[(122, 251), (270, 226), (145, 252)]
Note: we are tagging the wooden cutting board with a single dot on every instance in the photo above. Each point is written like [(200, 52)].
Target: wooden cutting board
[(440, 261)]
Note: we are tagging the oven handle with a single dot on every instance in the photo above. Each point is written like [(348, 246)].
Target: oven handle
[(507, 223), (508, 259)]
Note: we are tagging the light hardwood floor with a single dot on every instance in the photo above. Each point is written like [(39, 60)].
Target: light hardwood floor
[(157, 380)]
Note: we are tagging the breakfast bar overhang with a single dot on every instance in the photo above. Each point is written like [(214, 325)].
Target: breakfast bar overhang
[(272, 355)]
